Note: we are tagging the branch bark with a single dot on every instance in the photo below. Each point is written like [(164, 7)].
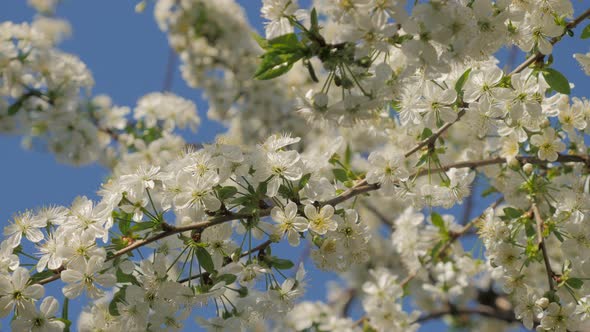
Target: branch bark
[(542, 247)]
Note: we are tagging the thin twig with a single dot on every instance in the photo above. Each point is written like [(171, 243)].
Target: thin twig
[(481, 310), (539, 56), (542, 247)]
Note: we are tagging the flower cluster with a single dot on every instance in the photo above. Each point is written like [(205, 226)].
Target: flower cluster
[(397, 114)]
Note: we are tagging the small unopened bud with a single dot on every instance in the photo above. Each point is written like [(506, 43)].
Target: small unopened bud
[(140, 7), (275, 237), (543, 302), (320, 100), (243, 292), (546, 123), (236, 255), (513, 163), (527, 168)]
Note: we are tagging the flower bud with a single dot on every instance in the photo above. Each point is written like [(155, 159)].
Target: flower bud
[(546, 123), (236, 255), (527, 168), (542, 302), (320, 99), (513, 163), (140, 7)]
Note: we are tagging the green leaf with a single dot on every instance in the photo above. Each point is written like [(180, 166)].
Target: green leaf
[(348, 155), (124, 223), (227, 192), (281, 264), (285, 43), (434, 251), (423, 158), (425, 133), (119, 297), (41, 275), (227, 278), (13, 109), (141, 226), (530, 230), (340, 174), (438, 221), (586, 32), (461, 81), (126, 278), (513, 213), (283, 52), (558, 236), (304, 180), (556, 81), (575, 283), (205, 259), (274, 71), (262, 189), (263, 43), (314, 20), (490, 190), (285, 191), (241, 200)]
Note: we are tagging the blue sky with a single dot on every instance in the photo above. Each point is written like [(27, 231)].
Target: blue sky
[(127, 55)]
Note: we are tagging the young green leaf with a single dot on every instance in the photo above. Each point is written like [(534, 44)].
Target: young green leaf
[(263, 43), (513, 213), (314, 21), (281, 264), (274, 71), (126, 278), (586, 32), (438, 221), (285, 43), (461, 81), (304, 180), (227, 192), (490, 190), (575, 283), (227, 278), (205, 259), (340, 174), (118, 297), (41, 275), (425, 133), (556, 81)]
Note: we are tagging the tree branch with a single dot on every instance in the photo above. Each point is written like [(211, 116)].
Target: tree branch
[(538, 56), (542, 247), (361, 188), (481, 310)]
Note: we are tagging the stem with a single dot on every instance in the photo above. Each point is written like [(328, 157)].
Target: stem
[(481, 310), (538, 56), (258, 248), (541, 244), (64, 312)]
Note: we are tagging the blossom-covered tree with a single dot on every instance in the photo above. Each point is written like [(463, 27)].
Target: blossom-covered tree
[(353, 127)]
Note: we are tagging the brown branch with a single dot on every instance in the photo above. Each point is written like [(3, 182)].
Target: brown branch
[(361, 188), (467, 227), (542, 247), (430, 140), (539, 56), (481, 310), (258, 248)]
